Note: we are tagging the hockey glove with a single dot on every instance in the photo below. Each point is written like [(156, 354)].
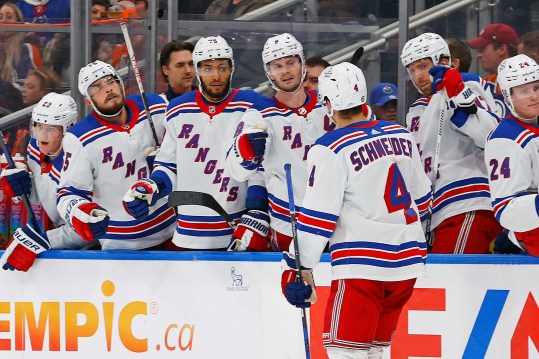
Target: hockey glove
[(503, 245), (138, 199), (444, 77), (23, 249), (250, 146), (89, 220), (251, 233), (16, 181), (300, 295)]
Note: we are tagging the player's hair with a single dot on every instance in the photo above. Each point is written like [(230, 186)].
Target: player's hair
[(316, 61), (530, 41), (348, 113), (169, 48), (511, 49), (105, 3), (460, 50)]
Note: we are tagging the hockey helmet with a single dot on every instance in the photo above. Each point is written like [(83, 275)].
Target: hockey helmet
[(212, 47), (280, 46), (515, 71), (427, 45), (56, 110)]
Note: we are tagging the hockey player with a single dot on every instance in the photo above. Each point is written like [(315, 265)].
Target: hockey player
[(51, 118), (104, 157), (511, 153), (200, 127), (293, 120), (365, 194), (462, 218)]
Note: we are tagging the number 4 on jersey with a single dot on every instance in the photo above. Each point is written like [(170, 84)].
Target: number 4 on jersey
[(396, 195)]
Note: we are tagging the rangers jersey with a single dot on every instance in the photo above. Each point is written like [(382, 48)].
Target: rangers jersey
[(365, 192), (101, 163), (513, 165), (462, 183), (291, 133), (192, 158), (45, 183)]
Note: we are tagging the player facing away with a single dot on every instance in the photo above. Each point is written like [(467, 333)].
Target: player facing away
[(293, 120), (51, 118), (200, 127), (462, 218), (511, 153), (365, 194), (103, 157)]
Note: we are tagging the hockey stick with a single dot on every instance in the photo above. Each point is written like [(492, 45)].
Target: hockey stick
[(357, 56), (136, 71), (292, 208), (442, 119), (191, 198), (24, 197)]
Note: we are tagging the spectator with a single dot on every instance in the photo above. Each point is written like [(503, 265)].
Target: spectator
[(314, 67), (176, 60), (511, 153), (10, 96), (529, 45), (494, 44), (45, 11), (21, 57), (461, 55), (383, 101), (462, 218), (38, 83), (99, 9), (141, 6), (56, 57), (231, 9)]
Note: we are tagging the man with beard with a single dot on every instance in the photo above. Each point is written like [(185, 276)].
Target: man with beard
[(200, 125), (104, 157), (294, 121)]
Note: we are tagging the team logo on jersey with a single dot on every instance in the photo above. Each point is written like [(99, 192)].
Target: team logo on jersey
[(302, 111), (374, 132), (211, 109)]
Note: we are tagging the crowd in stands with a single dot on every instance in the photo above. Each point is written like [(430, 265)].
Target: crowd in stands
[(33, 65)]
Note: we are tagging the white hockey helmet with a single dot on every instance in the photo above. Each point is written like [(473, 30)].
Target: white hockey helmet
[(343, 85), (515, 71), (280, 46), (93, 72), (427, 45), (55, 109), (212, 47)]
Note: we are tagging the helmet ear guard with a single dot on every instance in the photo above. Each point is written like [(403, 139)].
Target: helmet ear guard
[(280, 46)]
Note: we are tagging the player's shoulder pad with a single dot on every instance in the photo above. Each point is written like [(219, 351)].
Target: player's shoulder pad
[(423, 101), (85, 125), (185, 98), (264, 103), (470, 76), (512, 129), (249, 95)]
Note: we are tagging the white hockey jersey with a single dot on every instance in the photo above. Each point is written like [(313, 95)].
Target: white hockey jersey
[(291, 133), (192, 158), (45, 183), (462, 183), (365, 193), (101, 163), (511, 156)]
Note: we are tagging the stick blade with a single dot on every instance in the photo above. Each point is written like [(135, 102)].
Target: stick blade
[(192, 198)]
